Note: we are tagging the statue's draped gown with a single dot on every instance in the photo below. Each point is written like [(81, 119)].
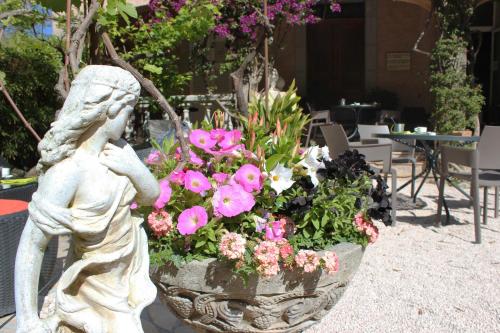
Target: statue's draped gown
[(107, 284)]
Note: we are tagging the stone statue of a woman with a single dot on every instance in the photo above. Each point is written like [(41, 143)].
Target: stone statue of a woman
[(88, 179)]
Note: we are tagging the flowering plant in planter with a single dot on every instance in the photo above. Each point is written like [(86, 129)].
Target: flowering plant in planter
[(254, 198)]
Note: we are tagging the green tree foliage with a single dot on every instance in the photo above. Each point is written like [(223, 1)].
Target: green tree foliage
[(152, 43), (31, 71), (457, 100)]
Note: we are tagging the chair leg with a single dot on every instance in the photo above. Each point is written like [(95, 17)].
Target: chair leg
[(442, 183), (485, 206), (476, 205), (394, 195), (496, 202), (309, 133), (413, 176)]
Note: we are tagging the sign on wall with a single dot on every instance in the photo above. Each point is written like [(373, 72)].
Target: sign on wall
[(398, 61)]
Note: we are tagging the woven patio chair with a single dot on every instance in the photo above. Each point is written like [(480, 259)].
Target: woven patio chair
[(337, 142), (11, 228), (484, 162), (406, 152)]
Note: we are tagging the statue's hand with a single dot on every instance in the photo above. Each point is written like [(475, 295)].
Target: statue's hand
[(33, 326), (123, 161)]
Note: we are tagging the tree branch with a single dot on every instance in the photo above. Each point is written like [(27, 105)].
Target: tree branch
[(18, 112), (79, 36), (149, 86), (422, 34), (15, 12)]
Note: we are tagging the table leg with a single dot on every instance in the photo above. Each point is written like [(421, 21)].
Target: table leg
[(445, 205)]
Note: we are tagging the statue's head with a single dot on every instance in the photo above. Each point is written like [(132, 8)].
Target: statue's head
[(99, 95)]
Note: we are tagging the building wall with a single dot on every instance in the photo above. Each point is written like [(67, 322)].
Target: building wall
[(398, 27)]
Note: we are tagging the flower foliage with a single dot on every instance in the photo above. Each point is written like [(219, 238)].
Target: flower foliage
[(254, 199)]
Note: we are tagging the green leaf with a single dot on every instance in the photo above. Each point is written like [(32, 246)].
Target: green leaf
[(324, 220), (2, 77), (316, 223), (153, 69), (200, 243), (273, 160), (128, 9), (211, 235), (58, 5)]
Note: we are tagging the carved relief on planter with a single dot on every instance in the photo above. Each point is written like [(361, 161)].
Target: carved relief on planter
[(208, 296)]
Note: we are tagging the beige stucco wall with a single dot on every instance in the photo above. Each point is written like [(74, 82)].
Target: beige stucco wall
[(398, 27)]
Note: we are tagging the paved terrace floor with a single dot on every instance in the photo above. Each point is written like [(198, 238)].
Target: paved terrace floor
[(416, 278)]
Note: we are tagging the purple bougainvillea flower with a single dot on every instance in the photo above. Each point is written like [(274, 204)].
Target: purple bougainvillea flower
[(201, 139), (192, 219), (335, 7), (165, 193), (232, 200), (250, 177), (196, 182)]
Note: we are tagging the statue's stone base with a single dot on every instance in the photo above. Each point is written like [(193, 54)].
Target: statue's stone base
[(208, 296)]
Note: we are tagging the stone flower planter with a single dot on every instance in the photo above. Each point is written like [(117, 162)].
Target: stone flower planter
[(210, 297)]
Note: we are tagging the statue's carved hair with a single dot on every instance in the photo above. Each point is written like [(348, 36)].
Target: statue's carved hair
[(98, 92)]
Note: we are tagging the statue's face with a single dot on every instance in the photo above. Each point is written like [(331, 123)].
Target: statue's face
[(116, 126)]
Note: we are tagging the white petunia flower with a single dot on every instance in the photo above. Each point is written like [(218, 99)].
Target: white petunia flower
[(281, 178), (325, 153), (311, 163)]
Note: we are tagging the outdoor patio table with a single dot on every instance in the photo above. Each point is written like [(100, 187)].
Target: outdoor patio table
[(431, 155), (358, 109)]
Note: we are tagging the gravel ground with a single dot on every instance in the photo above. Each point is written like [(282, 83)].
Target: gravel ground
[(421, 278)]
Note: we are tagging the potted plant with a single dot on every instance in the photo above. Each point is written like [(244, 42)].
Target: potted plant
[(254, 234)]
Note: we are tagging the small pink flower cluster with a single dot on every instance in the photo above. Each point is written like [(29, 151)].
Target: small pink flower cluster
[(365, 226), (267, 255), (232, 246), (330, 262), (160, 223), (308, 260)]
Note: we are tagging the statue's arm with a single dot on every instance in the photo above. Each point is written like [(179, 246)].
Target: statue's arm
[(57, 187)]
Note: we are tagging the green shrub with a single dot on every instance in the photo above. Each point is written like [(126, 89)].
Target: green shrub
[(31, 72), (457, 99)]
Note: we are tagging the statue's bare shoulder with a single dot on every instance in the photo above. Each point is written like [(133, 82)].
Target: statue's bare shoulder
[(60, 182)]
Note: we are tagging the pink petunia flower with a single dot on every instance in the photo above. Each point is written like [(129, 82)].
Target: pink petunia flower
[(275, 230), (160, 223), (232, 245), (331, 262), (177, 177), (196, 182), (154, 157), (165, 194), (201, 139), (218, 134), (193, 158), (232, 200), (134, 205), (192, 219), (231, 139), (250, 177), (307, 259), (220, 177)]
